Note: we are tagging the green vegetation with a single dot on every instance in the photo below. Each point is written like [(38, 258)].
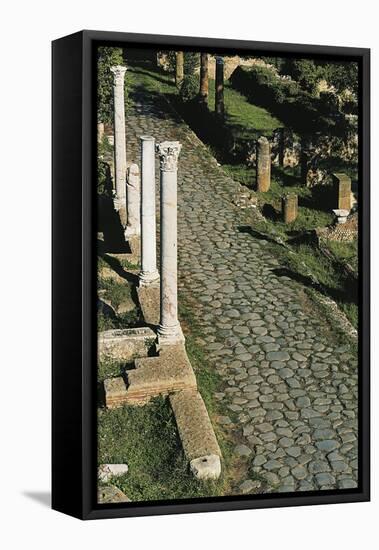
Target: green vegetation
[(346, 252), (146, 439), (106, 58), (245, 119)]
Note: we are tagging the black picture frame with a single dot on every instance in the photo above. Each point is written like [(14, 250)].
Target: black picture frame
[(74, 327)]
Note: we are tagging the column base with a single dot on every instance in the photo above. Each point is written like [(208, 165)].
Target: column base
[(148, 278), (169, 336)]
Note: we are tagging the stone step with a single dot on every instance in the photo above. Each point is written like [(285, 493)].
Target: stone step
[(171, 371)]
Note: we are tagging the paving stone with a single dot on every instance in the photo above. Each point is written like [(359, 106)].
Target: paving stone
[(277, 356), (242, 450), (325, 479), (327, 445), (299, 472)]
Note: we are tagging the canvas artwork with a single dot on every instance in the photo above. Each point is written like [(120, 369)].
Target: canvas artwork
[(227, 274)]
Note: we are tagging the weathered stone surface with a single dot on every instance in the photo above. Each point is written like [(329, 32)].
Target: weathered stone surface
[(242, 450), (171, 371), (119, 134), (342, 186), (196, 433), (105, 472), (110, 495), (149, 273), (263, 165), (149, 300), (249, 486), (289, 208), (125, 344), (169, 330)]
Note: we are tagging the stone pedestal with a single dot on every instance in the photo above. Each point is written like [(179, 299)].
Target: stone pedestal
[(342, 188), (119, 136), (289, 208), (263, 165), (169, 331), (341, 215), (133, 195), (149, 273)]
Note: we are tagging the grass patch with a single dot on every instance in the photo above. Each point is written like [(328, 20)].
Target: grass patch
[(109, 368), (346, 252), (146, 439), (244, 119)]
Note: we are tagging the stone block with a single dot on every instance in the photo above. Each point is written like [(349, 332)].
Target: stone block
[(196, 433), (169, 372), (110, 495), (149, 300), (125, 344), (115, 392), (342, 188), (105, 472)]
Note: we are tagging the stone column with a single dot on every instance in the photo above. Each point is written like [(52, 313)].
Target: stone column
[(119, 136), (169, 331), (219, 97), (204, 78), (149, 273), (179, 69), (263, 165), (133, 196), (342, 188), (289, 207)]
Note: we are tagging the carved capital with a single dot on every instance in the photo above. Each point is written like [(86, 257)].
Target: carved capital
[(168, 152), (119, 74)]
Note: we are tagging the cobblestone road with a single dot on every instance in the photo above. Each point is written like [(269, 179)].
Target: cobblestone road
[(290, 389)]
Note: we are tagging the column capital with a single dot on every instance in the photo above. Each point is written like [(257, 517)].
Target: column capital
[(168, 152), (118, 73)]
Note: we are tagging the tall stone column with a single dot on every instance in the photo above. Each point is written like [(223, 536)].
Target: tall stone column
[(119, 136), (179, 69), (204, 78), (169, 331), (149, 273), (263, 164), (219, 97), (133, 195)]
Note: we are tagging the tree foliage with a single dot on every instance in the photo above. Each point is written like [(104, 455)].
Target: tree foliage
[(191, 62), (106, 58), (189, 88)]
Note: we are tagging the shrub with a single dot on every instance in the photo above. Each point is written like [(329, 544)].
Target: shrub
[(106, 58)]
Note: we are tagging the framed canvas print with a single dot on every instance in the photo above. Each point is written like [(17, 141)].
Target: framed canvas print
[(210, 274)]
